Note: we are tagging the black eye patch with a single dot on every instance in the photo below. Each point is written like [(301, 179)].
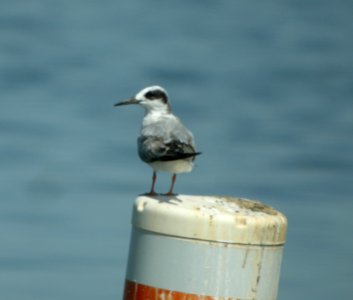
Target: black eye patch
[(150, 95), (157, 94)]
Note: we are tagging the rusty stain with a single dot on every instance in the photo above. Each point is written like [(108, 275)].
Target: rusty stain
[(240, 221), (210, 219), (255, 206), (258, 272), (137, 291), (245, 257)]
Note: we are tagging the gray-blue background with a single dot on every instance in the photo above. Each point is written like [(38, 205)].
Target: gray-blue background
[(266, 87)]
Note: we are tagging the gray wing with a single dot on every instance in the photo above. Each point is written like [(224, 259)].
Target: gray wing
[(165, 141), (154, 149)]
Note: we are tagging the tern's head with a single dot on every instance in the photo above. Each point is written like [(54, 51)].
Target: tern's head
[(153, 98)]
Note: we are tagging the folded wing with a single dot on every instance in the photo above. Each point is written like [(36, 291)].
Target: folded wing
[(153, 149)]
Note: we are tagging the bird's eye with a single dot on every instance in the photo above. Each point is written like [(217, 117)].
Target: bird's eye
[(149, 95)]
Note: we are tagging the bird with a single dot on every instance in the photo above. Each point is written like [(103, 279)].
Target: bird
[(164, 142)]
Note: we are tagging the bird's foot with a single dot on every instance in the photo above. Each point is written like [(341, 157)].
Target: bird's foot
[(170, 194), (152, 193)]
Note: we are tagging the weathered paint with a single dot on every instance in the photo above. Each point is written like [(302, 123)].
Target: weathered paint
[(192, 247), (213, 218), (137, 291), (204, 267)]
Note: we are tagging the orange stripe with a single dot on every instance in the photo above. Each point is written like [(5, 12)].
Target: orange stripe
[(137, 291)]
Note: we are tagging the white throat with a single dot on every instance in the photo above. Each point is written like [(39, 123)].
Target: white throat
[(157, 109)]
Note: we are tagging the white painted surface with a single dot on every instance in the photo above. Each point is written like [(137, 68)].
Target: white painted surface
[(215, 246), (204, 268), (211, 218)]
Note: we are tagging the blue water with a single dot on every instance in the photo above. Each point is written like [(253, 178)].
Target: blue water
[(266, 87)]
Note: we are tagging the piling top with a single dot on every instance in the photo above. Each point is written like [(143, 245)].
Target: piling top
[(211, 218)]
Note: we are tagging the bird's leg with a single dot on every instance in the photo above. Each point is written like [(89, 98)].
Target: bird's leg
[(154, 177), (170, 193)]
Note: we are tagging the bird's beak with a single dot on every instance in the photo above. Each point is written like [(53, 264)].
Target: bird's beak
[(127, 101)]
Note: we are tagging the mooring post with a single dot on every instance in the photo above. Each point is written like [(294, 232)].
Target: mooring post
[(204, 247)]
